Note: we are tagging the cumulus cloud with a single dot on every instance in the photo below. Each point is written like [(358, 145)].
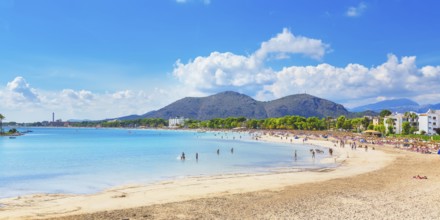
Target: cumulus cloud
[(350, 84), (21, 90), (21, 102), (355, 11), (286, 43), (393, 78), (221, 71), (353, 84)]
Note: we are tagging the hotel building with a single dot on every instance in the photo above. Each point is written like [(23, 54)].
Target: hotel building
[(428, 121)]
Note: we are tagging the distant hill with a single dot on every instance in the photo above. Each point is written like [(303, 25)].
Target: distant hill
[(396, 105), (221, 105), (233, 104), (303, 105)]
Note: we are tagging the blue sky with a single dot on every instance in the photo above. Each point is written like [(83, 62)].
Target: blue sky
[(101, 59)]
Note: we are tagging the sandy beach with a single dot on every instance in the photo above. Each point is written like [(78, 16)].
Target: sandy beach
[(373, 184)]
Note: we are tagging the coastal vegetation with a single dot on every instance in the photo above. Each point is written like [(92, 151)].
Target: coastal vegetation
[(289, 122), (145, 122), (12, 131)]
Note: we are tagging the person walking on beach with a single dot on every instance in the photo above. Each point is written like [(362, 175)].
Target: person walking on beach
[(313, 154), (330, 151), (183, 156), (295, 156)]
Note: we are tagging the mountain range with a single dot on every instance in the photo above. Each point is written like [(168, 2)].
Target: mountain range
[(397, 105), (233, 104)]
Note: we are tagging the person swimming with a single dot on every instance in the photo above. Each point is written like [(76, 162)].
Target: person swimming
[(197, 156), (232, 150)]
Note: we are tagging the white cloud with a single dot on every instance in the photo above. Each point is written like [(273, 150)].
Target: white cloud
[(354, 84), (21, 90), (355, 11), (286, 43), (22, 103), (395, 77), (350, 84), (222, 71)]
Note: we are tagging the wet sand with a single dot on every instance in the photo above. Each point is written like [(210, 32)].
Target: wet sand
[(377, 184)]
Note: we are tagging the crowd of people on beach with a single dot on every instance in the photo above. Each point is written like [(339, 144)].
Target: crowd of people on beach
[(366, 142), (340, 139)]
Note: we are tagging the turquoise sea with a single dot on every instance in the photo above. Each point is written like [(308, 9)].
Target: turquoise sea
[(83, 160)]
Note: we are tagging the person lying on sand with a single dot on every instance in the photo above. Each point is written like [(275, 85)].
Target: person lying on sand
[(420, 177)]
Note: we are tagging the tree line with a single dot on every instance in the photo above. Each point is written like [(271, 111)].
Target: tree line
[(292, 122), (287, 122)]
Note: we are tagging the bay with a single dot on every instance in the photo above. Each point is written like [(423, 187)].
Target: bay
[(89, 160)]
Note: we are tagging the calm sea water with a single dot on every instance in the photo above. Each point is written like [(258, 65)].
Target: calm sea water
[(69, 160)]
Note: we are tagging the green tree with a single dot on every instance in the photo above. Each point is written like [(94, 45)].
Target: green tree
[(406, 126), (356, 123), (413, 116), (12, 131), (347, 125), (385, 113), (390, 123), (340, 122), (390, 129), (365, 122), (380, 128)]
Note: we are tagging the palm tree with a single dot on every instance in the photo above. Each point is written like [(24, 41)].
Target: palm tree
[(1, 123), (414, 118), (390, 124)]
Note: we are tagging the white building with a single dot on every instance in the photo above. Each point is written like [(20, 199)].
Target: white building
[(176, 122), (429, 121), (397, 119), (375, 120)]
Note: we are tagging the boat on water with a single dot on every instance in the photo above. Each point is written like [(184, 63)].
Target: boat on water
[(12, 137)]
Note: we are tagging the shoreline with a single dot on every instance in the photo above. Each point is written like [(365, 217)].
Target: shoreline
[(191, 188)]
